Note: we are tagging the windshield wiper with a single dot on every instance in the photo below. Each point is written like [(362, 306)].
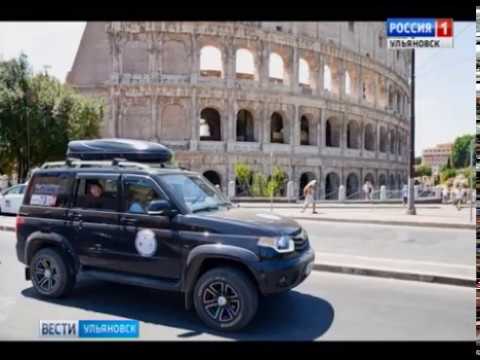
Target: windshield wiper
[(206, 208)]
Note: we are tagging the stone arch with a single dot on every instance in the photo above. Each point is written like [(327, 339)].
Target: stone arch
[(305, 178), (400, 142), (352, 186), (382, 180), (392, 140), (245, 126), (211, 61), (137, 122), (391, 94), (174, 123), (135, 57), (348, 83), (332, 183), (370, 177), (369, 141), (353, 135), (391, 182), (278, 129), (333, 131), (175, 58), (210, 119), (214, 177), (244, 64), (399, 181), (327, 78), (276, 67), (305, 130), (383, 139), (304, 73)]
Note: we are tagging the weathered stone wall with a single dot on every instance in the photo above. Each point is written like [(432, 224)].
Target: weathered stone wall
[(149, 74)]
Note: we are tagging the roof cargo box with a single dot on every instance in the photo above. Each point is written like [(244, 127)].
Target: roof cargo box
[(128, 149)]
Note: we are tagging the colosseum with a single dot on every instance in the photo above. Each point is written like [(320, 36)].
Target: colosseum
[(324, 100)]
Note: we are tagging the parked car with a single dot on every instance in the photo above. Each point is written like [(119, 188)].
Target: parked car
[(11, 199), (162, 228)]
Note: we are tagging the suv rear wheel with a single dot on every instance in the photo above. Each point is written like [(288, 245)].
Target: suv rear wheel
[(50, 273), (225, 299)]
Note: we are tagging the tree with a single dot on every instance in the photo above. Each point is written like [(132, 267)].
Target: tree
[(243, 173), (418, 160), (39, 116), (447, 174), (276, 181), (461, 151), (423, 170)]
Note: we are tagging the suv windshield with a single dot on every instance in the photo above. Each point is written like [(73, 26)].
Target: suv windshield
[(196, 193)]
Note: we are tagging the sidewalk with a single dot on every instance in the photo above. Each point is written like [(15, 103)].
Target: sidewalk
[(7, 223), (445, 216), (450, 274)]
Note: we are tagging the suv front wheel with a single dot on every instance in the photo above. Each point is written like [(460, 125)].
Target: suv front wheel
[(225, 299), (50, 273)]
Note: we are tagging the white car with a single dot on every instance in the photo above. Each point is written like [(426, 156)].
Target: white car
[(11, 199)]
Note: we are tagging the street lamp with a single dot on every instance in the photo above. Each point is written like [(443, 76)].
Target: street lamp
[(411, 169)]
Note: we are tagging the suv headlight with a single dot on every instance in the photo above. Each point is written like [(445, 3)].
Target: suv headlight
[(281, 244)]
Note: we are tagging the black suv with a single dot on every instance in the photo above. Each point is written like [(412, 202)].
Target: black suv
[(158, 227)]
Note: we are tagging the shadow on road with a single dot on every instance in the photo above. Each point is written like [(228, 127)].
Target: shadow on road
[(289, 316)]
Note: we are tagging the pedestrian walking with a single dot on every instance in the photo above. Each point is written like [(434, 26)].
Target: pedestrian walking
[(445, 195), (404, 194), (367, 189), (457, 197), (309, 193)]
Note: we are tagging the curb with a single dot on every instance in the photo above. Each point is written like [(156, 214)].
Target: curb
[(7, 228), (384, 222), (430, 278)]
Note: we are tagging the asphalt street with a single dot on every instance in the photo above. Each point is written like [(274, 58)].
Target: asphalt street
[(450, 246), (325, 307)]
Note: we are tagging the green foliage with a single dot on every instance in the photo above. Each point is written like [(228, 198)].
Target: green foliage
[(423, 170), (470, 175), (447, 174), (259, 185), (447, 166), (418, 160), (461, 151), (243, 174), (38, 116)]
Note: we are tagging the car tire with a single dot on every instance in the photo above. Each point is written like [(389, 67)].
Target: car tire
[(51, 273), (225, 299)]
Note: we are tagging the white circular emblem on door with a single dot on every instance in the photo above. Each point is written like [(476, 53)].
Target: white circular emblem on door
[(146, 243)]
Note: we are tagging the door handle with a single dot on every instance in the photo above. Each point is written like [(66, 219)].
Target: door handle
[(128, 220)]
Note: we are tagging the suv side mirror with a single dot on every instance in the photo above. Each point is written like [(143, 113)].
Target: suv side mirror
[(159, 207)]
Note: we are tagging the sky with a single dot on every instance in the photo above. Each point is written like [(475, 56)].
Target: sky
[(445, 78)]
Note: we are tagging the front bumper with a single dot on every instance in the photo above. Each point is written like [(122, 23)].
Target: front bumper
[(278, 275)]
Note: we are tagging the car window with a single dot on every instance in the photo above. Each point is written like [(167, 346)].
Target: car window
[(139, 193), (195, 193), (12, 191), (97, 194), (52, 190)]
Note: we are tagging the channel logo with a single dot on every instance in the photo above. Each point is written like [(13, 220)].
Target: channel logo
[(419, 33), (89, 328)]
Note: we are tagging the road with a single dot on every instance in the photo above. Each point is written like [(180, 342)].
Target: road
[(325, 307), (451, 246)]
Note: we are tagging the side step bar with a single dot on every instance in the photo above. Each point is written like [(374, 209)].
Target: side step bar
[(159, 284)]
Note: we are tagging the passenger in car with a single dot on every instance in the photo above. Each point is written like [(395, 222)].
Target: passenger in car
[(94, 198)]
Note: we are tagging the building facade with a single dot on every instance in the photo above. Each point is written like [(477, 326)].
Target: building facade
[(437, 156), (328, 100)]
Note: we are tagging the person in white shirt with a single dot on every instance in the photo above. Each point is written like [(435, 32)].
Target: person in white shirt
[(309, 193)]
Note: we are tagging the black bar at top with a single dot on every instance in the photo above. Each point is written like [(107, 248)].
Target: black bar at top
[(273, 13)]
